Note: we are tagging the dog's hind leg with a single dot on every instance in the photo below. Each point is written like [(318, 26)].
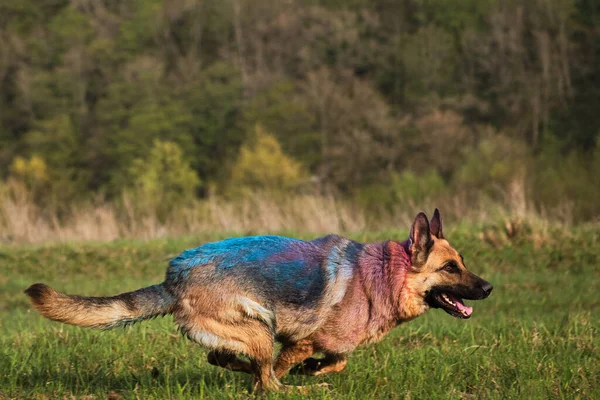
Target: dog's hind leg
[(248, 337), (328, 364), (222, 318)]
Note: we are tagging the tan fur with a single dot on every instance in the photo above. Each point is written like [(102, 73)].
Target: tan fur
[(241, 333), (423, 277), (291, 355), (419, 280), (411, 298), (70, 310), (254, 310)]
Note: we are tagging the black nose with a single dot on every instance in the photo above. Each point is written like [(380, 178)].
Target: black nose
[(487, 289)]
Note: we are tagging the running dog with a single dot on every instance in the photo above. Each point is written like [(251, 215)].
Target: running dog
[(239, 296)]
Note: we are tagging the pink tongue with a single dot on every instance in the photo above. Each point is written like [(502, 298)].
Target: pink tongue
[(461, 306)]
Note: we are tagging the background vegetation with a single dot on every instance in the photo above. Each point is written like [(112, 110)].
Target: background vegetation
[(156, 117)]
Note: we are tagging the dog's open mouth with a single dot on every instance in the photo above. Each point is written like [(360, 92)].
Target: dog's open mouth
[(451, 304)]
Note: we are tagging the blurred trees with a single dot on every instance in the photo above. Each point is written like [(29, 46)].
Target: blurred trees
[(365, 96)]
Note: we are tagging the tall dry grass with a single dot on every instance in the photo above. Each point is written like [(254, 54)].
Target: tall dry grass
[(23, 221)]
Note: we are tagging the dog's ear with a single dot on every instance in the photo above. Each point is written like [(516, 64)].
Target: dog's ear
[(420, 237), (436, 225)]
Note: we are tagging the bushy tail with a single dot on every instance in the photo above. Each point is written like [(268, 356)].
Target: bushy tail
[(101, 312)]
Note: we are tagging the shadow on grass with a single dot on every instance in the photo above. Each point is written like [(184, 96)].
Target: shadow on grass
[(187, 381)]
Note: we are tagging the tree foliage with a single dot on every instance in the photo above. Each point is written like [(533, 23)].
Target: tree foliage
[(357, 92)]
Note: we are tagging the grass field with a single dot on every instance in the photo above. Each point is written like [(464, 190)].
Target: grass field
[(537, 336)]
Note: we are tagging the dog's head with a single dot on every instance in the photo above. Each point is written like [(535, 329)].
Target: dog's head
[(438, 273)]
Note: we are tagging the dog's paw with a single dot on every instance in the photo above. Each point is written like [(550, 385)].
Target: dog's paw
[(310, 366)]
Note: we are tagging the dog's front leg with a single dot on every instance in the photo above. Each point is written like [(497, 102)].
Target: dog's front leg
[(229, 361), (291, 355), (328, 364)]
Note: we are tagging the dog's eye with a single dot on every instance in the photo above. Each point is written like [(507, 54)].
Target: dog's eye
[(450, 267)]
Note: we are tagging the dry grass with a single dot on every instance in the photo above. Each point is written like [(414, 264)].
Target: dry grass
[(22, 221)]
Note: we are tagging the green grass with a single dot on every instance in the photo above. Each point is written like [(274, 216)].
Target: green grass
[(535, 337)]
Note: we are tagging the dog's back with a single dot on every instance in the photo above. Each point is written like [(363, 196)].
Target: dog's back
[(289, 269)]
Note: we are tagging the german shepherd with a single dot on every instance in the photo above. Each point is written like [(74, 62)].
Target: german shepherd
[(239, 296)]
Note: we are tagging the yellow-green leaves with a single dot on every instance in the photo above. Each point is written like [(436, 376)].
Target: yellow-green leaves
[(263, 165)]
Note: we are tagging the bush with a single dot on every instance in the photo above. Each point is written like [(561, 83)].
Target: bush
[(262, 165), (33, 171)]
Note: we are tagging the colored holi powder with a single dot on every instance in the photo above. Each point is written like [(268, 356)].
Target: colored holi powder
[(289, 267), (232, 252)]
